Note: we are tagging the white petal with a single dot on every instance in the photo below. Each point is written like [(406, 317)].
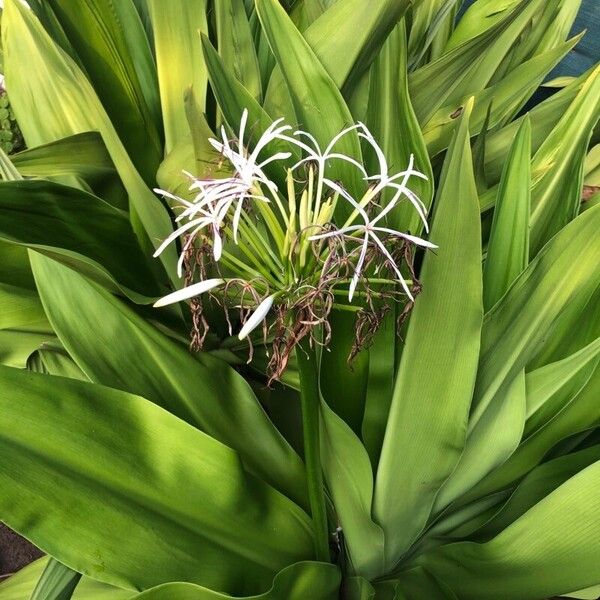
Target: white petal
[(188, 292), (257, 317), (394, 266), (411, 238), (337, 188), (358, 268)]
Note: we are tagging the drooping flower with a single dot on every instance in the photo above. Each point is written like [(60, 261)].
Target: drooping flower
[(370, 230)]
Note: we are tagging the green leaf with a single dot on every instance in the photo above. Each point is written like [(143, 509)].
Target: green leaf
[(110, 34), (503, 100), (53, 99), (391, 119), (349, 477), (425, 436), (16, 346), (20, 585), (317, 581), (57, 582), (129, 354), (468, 69), (176, 25), (319, 106), (236, 46), (344, 384), (546, 381), (146, 481), (81, 156), (508, 247), (556, 196), (577, 414), (549, 551), (564, 274), (345, 39), (490, 441), (80, 230), (538, 484)]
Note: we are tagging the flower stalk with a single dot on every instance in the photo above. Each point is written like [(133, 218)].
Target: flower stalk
[(311, 408)]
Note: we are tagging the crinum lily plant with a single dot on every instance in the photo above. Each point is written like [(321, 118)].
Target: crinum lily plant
[(296, 254)]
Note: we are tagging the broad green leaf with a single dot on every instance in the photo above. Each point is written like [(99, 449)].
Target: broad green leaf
[(414, 583), (490, 442), (349, 477), (380, 387), (111, 43), (20, 585), (80, 230), (236, 46), (578, 414), (177, 25), (51, 79), (545, 382), (391, 119), (317, 581), (319, 106), (427, 425), (146, 481), (550, 550), (129, 354), (563, 274), (508, 246), (21, 308), (467, 69), (306, 12), (52, 359), (536, 486), (556, 197), (17, 345), (82, 155), (57, 582)]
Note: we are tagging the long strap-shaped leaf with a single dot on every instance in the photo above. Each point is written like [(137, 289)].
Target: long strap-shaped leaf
[(564, 273), (53, 99), (103, 33), (319, 105), (119, 489), (426, 430), (346, 38), (176, 25), (57, 582), (21, 585), (552, 549), (114, 346), (80, 229), (317, 581)]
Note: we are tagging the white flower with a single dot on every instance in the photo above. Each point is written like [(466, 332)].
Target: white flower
[(370, 230), (189, 292), (385, 180), (248, 170), (257, 317), (314, 152), (198, 220)]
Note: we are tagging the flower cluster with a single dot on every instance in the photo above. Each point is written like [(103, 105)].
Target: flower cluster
[(262, 252)]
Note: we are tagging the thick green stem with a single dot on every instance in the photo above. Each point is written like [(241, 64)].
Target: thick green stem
[(310, 399)]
